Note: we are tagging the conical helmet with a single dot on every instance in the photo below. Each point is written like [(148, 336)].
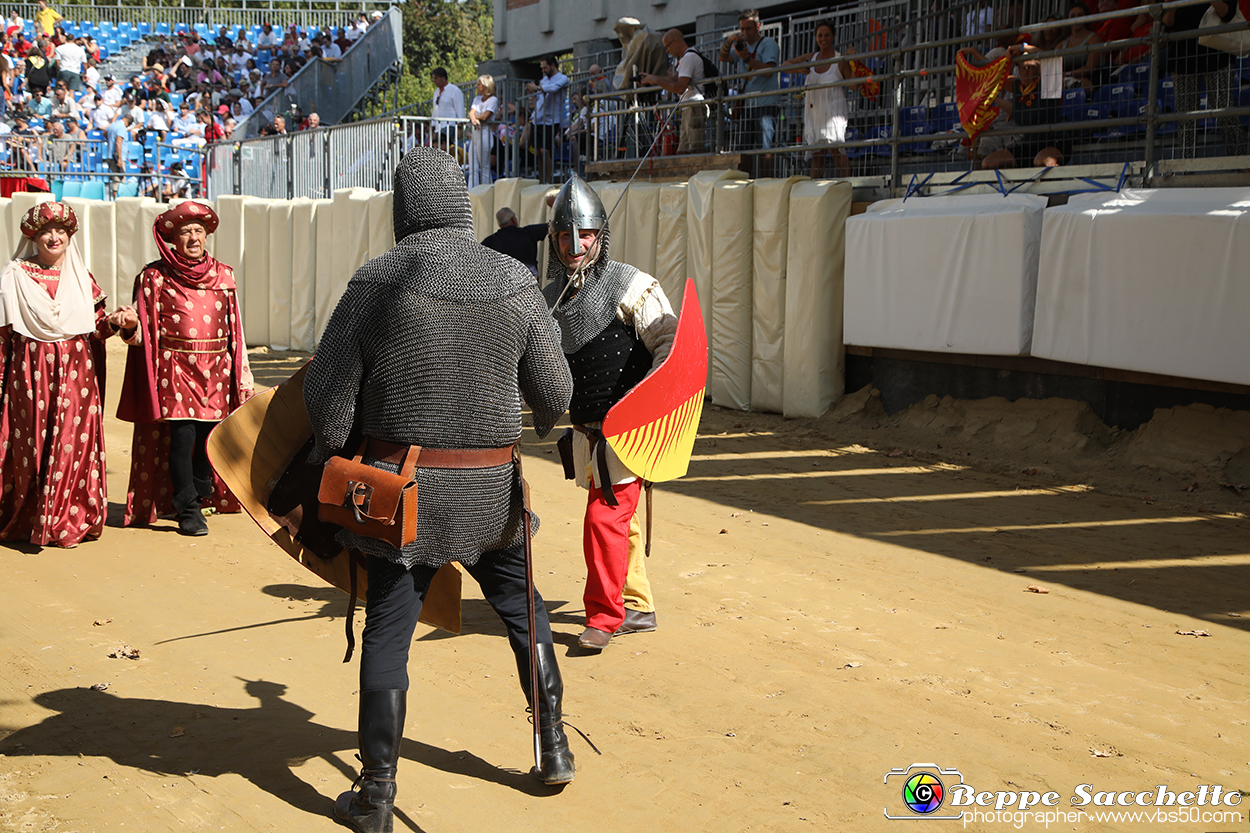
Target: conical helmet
[(576, 207)]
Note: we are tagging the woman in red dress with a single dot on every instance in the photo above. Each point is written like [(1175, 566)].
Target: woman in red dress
[(52, 331), (187, 370)]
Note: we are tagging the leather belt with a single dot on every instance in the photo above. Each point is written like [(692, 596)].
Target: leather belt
[(441, 458), (599, 450)]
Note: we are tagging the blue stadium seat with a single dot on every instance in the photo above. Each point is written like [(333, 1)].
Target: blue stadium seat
[(144, 28), (71, 189), (124, 26), (57, 187), (97, 135), (882, 132), (104, 26), (162, 28), (945, 118), (1119, 99), (104, 52), (914, 121), (181, 27), (176, 100), (128, 189), (93, 190), (852, 135), (1073, 106)]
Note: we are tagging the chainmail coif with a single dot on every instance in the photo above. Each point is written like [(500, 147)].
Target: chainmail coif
[(585, 315), (434, 343)]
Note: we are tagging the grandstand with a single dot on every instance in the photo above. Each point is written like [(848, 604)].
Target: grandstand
[(76, 165)]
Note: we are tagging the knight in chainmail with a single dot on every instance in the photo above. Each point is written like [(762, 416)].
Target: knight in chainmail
[(616, 327), (434, 344)]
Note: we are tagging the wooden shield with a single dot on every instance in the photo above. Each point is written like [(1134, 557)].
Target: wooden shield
[(652, 429), (254, 447)]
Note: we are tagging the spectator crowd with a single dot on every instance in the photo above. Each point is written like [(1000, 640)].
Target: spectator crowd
[(63, 111)]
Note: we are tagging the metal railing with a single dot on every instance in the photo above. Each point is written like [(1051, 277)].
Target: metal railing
[(888, 138), (280, 13), (333, 89), (1118, 118), (311, 163)]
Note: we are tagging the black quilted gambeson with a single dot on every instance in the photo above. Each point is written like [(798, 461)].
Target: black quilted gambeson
[(434, 343)]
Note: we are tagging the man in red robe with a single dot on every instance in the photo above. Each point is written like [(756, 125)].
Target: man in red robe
[(187, 370)]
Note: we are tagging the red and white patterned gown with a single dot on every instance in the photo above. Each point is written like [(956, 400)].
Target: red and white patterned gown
[(199, 371), (52, 431)]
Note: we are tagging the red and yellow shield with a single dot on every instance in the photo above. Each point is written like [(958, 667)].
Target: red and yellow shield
[(652, 429)]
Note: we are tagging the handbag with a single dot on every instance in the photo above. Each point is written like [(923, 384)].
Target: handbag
[(1236, 42), (370, 501)]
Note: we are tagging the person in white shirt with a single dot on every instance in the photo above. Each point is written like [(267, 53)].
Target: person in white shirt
[(91, 75), (481, 116), (239, 58), (268, 38), (104, 115), (448, 103), (685, 82), (112, 94), (330, 50), (71, 56)]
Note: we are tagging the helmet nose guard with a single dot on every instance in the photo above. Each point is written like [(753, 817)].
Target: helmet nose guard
[(576, 207)]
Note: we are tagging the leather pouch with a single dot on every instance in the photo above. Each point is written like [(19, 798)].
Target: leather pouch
[(370, 501)]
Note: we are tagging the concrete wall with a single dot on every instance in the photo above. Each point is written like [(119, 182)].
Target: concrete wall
[(525, 30)]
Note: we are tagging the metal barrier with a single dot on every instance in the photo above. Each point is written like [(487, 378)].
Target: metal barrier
[(1118, 118), (65, 162), (280, 13), (311, 163), (332, 89), (911, 127)]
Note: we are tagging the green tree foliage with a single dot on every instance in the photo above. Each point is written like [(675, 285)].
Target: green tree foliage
[(454, 35)]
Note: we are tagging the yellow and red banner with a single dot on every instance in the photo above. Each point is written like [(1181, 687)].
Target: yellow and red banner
[(975, 91), (869, 89)]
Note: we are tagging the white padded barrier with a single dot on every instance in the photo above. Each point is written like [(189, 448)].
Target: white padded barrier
[(671, 242), (304, 273), (768, 297), (482, 201), (381, 224), (131, 229), (700, 228), (281, 247), (254, 288), (97, 240), (530, 205), (507, 193), (815, 260), (1148, 280), (944, 274), (326, 287), (732, 267), (641, 214)]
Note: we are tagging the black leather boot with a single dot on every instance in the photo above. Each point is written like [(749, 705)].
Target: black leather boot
[(371, 808), (555, 759), (190, 518)]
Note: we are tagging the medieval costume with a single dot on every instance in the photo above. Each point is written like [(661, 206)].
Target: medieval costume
[(52, 331), (616, 327), (434, 344), (187, 370)]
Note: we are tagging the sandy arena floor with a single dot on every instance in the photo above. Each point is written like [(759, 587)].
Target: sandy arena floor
[(837, 598)]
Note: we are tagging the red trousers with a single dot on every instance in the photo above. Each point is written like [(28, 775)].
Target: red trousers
[(605, 543)]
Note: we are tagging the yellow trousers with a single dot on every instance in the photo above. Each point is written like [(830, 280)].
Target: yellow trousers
[(637, 590)]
